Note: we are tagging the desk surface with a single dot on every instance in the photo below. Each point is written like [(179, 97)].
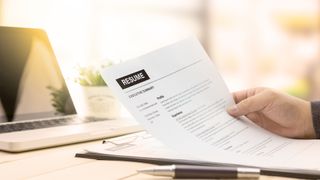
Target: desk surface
[(60, 163)]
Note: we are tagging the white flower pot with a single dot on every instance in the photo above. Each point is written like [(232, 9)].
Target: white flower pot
[(94, 101)]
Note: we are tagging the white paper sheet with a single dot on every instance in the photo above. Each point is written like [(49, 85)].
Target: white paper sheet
[(142, 146), (177, 94)]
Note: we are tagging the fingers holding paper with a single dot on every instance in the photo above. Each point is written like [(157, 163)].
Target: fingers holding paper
[(277, 112)]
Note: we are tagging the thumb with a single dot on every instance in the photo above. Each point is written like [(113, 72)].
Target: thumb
[(252, 104)]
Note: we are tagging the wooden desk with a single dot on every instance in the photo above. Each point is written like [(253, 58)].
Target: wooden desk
[(60, 163)]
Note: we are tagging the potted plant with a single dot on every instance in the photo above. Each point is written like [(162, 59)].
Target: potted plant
[(91, 95), (61, 101)]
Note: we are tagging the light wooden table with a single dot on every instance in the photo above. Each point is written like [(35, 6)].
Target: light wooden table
[(60, 163)]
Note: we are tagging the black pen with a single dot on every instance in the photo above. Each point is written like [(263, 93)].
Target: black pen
[(190, 171)]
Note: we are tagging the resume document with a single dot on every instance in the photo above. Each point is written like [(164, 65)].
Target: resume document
[(178, 95)]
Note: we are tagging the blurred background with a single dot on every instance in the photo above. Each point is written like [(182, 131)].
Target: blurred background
[(274, 43)]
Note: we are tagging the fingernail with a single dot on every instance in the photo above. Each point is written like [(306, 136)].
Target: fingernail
[(233, 109)]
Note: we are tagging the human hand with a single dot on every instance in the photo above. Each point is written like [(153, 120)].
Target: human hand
[(275, 111)]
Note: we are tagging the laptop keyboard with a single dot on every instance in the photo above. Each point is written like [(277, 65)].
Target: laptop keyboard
[(29, 125)]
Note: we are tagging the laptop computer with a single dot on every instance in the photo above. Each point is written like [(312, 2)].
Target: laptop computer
[(32, 115)]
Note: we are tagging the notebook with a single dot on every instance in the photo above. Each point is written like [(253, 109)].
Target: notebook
[(31, 116), (143, 147)]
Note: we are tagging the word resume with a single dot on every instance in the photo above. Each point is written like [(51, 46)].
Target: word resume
[(178, 95)]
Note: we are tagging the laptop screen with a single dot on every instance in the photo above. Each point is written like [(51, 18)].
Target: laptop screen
[(31, 84)]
